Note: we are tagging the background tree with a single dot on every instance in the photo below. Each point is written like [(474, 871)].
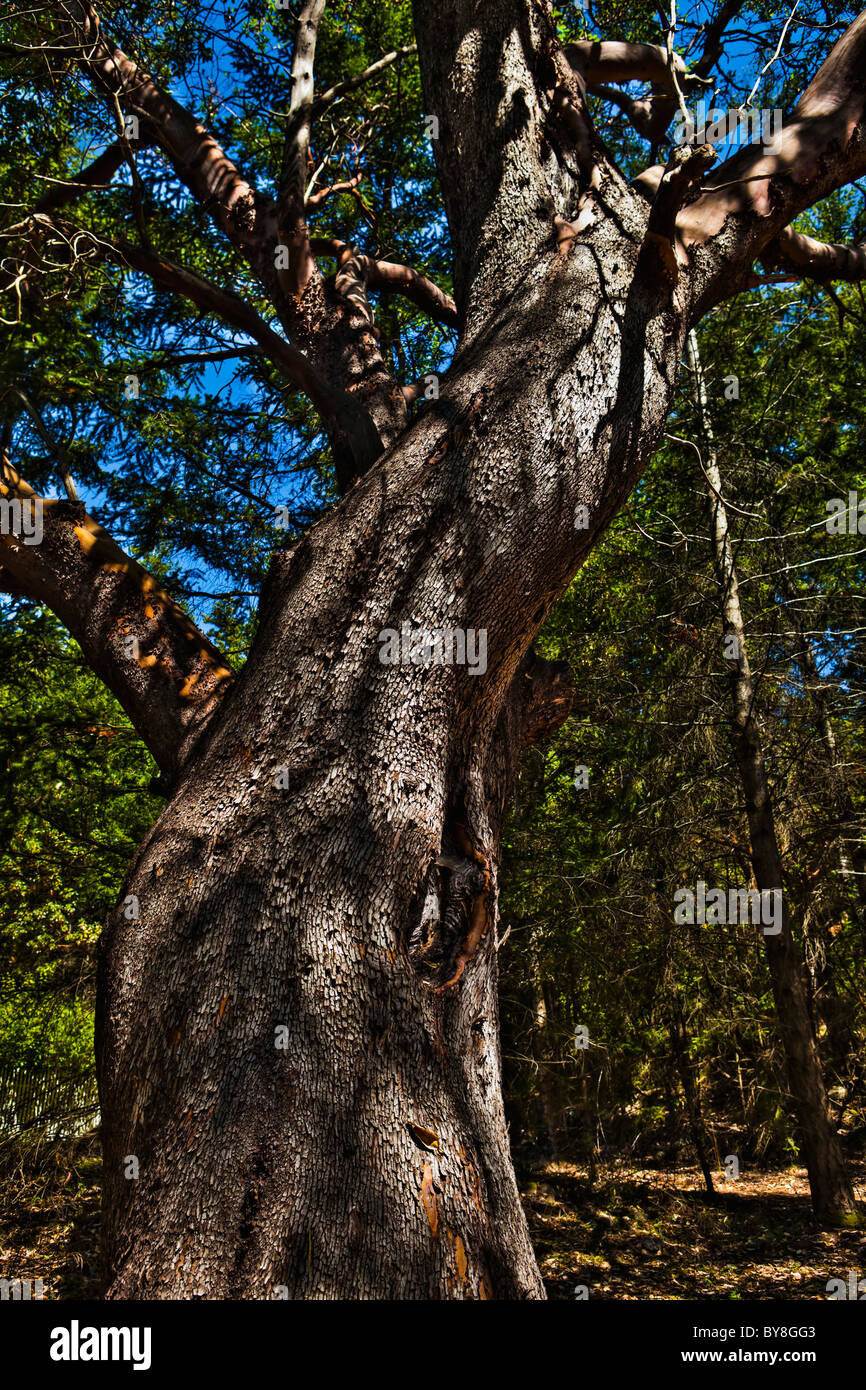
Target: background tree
[(641, 625)]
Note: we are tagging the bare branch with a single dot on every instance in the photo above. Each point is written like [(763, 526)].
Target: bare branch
[(640, 111), (775, 56), (685, 168), (297, 145), (663, 68), (604, 62), (389, 277), (348, 186)]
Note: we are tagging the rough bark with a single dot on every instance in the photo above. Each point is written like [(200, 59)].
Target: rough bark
[(262, 907)]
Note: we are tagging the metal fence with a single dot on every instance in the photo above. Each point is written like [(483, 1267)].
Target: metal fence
[(58, 1106)]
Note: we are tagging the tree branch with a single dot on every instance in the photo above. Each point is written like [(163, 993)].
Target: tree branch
[(714, 32), (685, 168), (351, 84), (650, 116), (809, 259), (756, 193), (166, 674), (98, 174), (296, 149), (639, 111), (604, 62), (332, 191), (336, 407), (195, 155), (389, 277)]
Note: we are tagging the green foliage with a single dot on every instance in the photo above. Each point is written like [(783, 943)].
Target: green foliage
[(75, 804)]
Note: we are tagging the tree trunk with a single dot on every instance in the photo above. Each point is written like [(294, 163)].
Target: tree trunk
[(309, 991), (833, 1197), (311, 1118), (679, 1037), (544, 1047)]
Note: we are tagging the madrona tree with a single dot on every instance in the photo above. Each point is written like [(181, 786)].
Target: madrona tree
[(297, 1019)]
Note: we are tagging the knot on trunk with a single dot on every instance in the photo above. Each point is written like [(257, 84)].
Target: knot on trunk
[(455, 911)]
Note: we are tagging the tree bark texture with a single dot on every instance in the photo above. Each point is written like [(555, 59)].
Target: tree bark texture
[(263, 908)]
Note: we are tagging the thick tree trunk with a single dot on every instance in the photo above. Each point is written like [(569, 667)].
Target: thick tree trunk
[(833, 1198), (310, 1117), (309, 991)]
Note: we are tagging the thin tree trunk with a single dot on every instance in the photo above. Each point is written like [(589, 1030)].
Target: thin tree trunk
[(833, 1197), (680, 1051), (841, 805), (544, 1047)]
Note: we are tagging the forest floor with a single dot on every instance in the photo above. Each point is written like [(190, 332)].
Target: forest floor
[(644, 1234), (633, 1234)]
